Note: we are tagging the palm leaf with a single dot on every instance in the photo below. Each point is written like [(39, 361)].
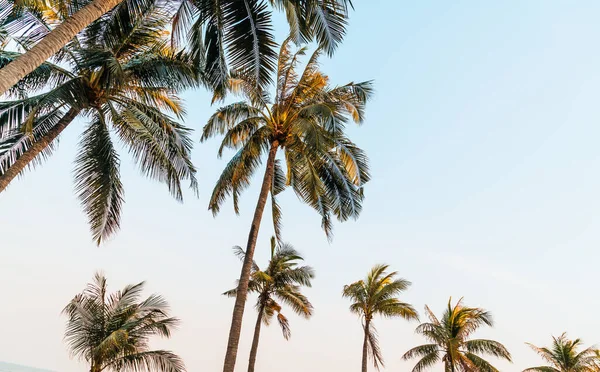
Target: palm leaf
[(98, 181)]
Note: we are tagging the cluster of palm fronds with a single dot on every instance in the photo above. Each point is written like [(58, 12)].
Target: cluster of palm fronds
[(111, 331)]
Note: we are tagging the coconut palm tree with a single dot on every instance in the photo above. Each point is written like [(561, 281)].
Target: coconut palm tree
[(238, 29), (123, 76), (281, 282), (564, 356), (111, 332), (75, 16), (377, 295), (306, 121), (450, 343)]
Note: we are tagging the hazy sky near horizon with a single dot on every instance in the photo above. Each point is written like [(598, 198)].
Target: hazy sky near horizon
[(483, 144)]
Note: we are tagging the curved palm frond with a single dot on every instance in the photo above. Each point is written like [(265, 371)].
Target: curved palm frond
[(98, 182)]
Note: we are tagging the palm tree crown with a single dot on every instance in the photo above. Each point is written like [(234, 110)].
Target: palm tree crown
[(280, 282), (450, 343), (111, 332), (306, 119), (120, 72), (377, 295), (564, 356)]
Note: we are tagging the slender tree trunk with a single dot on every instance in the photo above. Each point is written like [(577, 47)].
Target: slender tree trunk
[(53, 42), (242, 290), (37, 147), (365, 353), (254, 349)]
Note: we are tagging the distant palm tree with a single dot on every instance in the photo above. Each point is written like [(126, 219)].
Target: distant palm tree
[(376, 295), (563, 356), (123, 76), (281, 281), (451, 344), (111, 332), (306, 120)]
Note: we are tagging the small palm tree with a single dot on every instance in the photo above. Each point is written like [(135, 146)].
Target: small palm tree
[(122, 75), (111, 332), (564, 356), (281, 282), (376, 295), (450, 343), (306, 121)]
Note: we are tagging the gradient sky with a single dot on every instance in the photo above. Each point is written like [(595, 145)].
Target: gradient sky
[(483, 143)]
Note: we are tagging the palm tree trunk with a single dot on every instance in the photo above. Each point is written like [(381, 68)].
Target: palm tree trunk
[(53, 42), (254, 349), (36, 148), (365, 352), (242, 290)]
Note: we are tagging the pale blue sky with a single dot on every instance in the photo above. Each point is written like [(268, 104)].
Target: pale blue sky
[(483, 144)]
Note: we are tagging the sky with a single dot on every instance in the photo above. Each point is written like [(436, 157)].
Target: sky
[(482, 138)]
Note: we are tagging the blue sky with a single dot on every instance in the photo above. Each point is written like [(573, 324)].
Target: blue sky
[(483, 144)]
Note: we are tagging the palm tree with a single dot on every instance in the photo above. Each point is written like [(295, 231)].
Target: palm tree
[(117, 74), (111, 332), (239, 33), (450, 341), (238, 29), (306, 120), (280, 283), (76, 15), (564, 356), (377, 295)]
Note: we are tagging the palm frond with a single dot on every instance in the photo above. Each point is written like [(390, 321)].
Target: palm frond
[(17, 143), (161, 146), (227, 118), (490, 347), (481, 364), (250, 40), (97, 179), (158, 360), (285, 326), (238, 172), (373, 347), (277, 187)]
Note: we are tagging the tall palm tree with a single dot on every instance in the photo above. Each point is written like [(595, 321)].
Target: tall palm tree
[(111, 332), (76, 15), (306, 121), (123, 75), (377, 295), (564, 356), (281, 282), (450, 343)]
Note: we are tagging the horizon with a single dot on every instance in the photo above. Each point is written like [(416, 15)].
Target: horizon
[(485, 170)]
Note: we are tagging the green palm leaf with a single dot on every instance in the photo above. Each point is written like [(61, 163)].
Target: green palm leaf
[(98, 182)]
